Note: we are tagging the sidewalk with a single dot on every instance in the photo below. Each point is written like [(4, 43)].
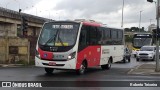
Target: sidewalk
[(144, 69), (11, 65)]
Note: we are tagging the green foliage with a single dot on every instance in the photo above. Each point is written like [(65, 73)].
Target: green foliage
[(25, 63), (128, 38), (134, 29), (32, 62)]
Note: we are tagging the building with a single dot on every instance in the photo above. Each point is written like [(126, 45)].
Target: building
[(151, 27), (14, 46)]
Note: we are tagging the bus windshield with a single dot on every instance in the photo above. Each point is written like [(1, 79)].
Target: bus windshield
[(139, 42), (59, 34)]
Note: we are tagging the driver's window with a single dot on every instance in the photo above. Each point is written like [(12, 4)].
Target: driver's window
[(82, 39)]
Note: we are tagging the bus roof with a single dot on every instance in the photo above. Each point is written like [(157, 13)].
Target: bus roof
[(87, 22)]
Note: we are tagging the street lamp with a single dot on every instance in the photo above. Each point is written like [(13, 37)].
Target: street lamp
[(48, 12), (150, 21), (15, 1), (157, 44), (18, 3), (7, 5), (140, 20), (122, 22), (35, 8), (122, 13)]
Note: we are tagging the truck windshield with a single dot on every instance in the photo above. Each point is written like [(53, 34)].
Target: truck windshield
[(58, 34)]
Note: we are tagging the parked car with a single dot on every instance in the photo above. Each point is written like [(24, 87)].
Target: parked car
[(146, 53), (127, 55)]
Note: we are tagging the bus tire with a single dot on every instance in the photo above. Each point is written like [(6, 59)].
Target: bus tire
[(107, 66), (82, 69), (49, 70)]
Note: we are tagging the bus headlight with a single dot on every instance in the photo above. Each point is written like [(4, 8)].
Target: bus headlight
[(71, 56), (37, 54)]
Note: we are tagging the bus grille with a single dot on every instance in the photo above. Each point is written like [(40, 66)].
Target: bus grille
[(56, 60), (53, 65)]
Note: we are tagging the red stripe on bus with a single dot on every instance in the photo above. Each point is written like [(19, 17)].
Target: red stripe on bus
[(45, 55), (91, 54), (92, 24)]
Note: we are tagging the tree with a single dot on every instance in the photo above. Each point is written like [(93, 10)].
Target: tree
[(127, 29)]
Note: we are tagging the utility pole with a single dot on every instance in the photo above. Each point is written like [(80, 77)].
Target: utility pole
[(150, 21), (6, 37), (140, 20), (122, 14), (157, 33), (157, 44)]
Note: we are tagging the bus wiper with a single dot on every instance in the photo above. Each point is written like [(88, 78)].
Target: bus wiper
[(60, 40), (53, 38), (50, 39)]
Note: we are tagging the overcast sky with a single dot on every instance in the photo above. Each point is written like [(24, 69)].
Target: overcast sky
[(106, 11)]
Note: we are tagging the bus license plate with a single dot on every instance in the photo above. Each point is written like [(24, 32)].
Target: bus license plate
[(51, 63)]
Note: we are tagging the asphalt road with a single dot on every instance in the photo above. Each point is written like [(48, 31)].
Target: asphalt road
[(118, 72)]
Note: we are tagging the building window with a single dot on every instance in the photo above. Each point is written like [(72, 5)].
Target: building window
[(19, 31)]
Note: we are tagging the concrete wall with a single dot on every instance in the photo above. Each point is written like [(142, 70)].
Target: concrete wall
[(14, 49), (2, 50), (33, 31), (7, 29)]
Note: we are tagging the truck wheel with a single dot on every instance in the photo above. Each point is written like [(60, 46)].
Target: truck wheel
[(49, 70)]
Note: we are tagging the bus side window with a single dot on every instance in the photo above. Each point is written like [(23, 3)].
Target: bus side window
[(93, 36), (99, 35), (82, 39)]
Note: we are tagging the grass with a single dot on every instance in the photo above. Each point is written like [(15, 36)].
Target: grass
[(25, 63)]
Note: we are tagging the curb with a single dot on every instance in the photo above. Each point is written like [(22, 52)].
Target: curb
[(12, 65), (142, 70), (132, 70)]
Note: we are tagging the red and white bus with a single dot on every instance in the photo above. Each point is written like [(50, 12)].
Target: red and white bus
[(78, 45)]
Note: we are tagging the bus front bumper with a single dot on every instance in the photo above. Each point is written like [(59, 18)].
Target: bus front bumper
[(69, 64)]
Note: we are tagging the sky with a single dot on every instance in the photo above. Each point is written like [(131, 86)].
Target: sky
[(108, 12)]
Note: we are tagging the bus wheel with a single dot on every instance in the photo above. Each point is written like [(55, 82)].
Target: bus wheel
[(82, 69), (49, 70), (106, 66)]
